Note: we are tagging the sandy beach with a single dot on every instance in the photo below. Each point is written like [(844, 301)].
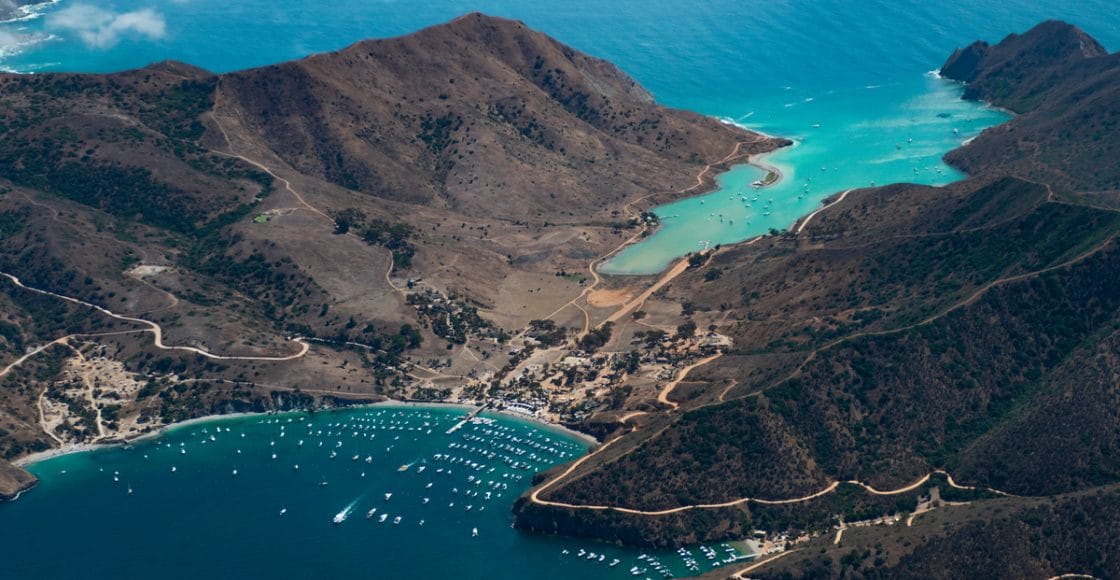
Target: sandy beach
[(27, 460)]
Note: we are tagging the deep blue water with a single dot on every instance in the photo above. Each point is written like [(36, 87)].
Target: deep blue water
[(248, 497), (856, 69)]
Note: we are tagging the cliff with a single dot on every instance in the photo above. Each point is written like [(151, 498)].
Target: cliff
[(13, 481), (1066, 90)]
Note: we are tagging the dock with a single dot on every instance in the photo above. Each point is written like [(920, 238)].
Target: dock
[(467, 419)]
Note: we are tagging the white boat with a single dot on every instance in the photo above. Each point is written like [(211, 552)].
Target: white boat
[(283, 511), (474, 532), (342, 515), (370, 513), (383, 518), (614, 562), (397, 520), (354, 458), (388, 495)]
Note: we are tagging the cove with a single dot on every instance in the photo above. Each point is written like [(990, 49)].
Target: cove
[(835, 148), (257, 496)]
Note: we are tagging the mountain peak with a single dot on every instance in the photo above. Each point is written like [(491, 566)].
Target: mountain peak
[(1046, 48)]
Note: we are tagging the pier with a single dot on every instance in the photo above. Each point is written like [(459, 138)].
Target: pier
[(467, 419)]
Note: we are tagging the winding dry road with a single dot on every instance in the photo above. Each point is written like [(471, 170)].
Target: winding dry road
[(152, 327)]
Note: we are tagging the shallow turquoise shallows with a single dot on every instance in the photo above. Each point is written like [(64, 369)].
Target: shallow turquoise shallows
[(856, 69)]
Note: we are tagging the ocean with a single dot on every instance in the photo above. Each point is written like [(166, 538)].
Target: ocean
[(848, 81), (258, 496)]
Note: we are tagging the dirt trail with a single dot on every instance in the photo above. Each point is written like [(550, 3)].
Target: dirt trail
[(810, 217), (535, 496), (663, 396), (155, 329), (287, 184)]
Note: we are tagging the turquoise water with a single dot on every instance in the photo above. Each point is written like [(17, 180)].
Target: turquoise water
[(834, 149), (205, 520), (857, 69)]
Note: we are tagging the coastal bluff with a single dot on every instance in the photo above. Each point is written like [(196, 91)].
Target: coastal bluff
[(14, 481)]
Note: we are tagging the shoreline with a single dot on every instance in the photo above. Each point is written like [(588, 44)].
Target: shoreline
[(756, 160), (47, 454)]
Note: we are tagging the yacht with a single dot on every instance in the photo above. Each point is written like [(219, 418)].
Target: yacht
[(388, 495), (382, 519), (370, 513), (474, 532), (397, 520)]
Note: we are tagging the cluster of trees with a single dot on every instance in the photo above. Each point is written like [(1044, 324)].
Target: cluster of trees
[(393, 236)]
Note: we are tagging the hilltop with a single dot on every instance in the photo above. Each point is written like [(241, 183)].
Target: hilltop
[(373, 222)]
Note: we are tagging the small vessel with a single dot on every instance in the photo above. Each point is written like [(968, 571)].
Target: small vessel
[(172, 469), (614, 562), (283, 511), (354, 458), (382, 519), (388, 496), (474, 532), (130, 490), (342, 515), (397, 520), (370, 513), (235, 472), (427, 499)]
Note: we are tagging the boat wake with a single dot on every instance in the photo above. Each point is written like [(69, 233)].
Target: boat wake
[(345, 513)]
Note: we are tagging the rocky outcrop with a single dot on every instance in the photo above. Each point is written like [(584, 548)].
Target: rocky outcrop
[(14, 481)]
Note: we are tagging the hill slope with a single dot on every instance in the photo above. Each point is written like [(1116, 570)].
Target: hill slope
[(394, 205), (908, 329)]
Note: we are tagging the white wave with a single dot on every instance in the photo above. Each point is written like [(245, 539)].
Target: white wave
[(13, 43), (31, 11)]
